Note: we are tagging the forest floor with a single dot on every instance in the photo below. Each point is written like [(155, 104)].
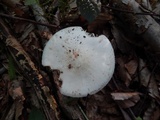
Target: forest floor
[(30, 91)]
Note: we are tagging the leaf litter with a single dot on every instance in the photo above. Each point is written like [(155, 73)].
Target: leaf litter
[(133, 92)]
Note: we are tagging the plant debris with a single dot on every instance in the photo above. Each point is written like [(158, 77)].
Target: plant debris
[(30, 91)]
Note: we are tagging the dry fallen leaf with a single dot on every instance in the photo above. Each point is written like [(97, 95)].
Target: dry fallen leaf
[(15, 90), (124, 96), (100, 106), (126, 100), (18, 109), (46, 35), (152, 113), (11, 41), (131, 67), (122, 72), (148, 80), (51, 100)]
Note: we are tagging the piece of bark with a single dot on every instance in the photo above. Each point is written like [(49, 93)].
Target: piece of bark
[(139, 24)]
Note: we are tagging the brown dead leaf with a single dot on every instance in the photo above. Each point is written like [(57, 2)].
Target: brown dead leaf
[(14, 6), (18, 11), (122, 72), (152, 113), (124, 96), (126, 100), (11, 112), (11, 41), (156, 115), (46, 35), (15, 111), (148, 80), (131, 67), (15, 90), (32, 46), (18, 109), (100, 106), (51, 100)]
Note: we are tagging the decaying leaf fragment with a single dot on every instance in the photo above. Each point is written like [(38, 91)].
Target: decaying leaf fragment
[(126, 100), (124, 96), (11, 41), (50, 100), (101, 106), (131, 67), (15, 90), (152, 113), (122, 72), (148, 80)]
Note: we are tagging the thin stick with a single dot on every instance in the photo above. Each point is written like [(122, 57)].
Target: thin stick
[(83, 112), (27, 20)]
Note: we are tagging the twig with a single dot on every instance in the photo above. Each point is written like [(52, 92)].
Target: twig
[(27, 20), (86, 118)]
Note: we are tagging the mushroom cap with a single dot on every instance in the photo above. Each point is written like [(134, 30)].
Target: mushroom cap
[(86, 62)]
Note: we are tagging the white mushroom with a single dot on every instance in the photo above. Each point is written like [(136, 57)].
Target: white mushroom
[(86, 62)]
